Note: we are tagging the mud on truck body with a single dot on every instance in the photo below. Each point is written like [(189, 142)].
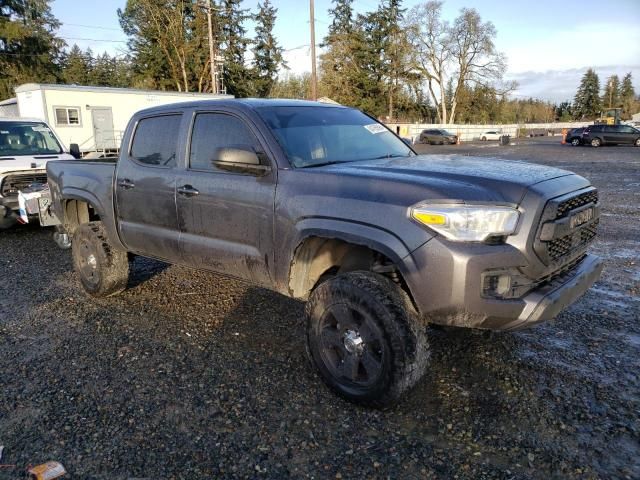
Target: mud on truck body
[(324, 204)]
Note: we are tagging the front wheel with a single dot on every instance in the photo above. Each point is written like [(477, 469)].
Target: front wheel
[(365, 338), (575, 142), (103, 270), (596, 142), (484, 139)]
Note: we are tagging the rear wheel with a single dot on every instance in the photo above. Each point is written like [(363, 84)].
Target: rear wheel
[(637, 142), (596, 142), (103, 270), (484, 139), (365, 338)]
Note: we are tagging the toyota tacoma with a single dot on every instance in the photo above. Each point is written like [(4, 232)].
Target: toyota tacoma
[(324, 204)]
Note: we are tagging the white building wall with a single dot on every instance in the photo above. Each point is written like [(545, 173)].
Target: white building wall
[(40, 101)]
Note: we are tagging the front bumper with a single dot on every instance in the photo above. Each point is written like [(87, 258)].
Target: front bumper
[(445, 280), (546, 302)]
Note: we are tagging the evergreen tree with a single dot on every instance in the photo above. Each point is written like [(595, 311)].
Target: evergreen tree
[(267, 54), (75, 67), (587, 103), (628, 96), (338, 64), (564, 112), (103, 71), (237, 77), (394, 46), (342, 20), (611, 95), (29, 48)]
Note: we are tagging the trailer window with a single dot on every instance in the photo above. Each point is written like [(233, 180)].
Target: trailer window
[(67, 116)]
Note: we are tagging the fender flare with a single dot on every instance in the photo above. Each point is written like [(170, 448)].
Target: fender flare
[(373, 237), (108, 220)]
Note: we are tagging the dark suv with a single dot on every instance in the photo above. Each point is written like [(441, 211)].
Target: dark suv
[(438, 136), (574, 136), (597, 135)]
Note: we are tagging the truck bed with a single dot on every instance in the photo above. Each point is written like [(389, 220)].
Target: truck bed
[(85, 180)]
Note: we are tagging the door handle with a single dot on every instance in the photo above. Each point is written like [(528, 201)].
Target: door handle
[(188, 191), (126, 183)]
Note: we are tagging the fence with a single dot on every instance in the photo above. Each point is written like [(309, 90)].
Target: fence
[(468, 133)]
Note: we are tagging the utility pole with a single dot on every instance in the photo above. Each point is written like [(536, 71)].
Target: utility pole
[(314, 78), (212, 57)]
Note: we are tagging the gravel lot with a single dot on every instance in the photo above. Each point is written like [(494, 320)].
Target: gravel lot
[(191, 375)]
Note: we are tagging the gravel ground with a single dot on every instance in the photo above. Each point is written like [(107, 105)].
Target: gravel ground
[(191, 375)]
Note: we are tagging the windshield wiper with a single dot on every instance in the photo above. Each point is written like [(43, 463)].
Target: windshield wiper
[(327, 163), (390, 155)]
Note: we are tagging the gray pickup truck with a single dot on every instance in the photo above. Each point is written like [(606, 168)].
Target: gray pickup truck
[(324, 204)]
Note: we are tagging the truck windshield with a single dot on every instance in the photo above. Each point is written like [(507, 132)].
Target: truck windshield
[(19, 138), (315, 136)]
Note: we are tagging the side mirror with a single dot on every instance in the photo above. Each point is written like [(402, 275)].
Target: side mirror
[(240, 159), (238, 154), (74, 150)]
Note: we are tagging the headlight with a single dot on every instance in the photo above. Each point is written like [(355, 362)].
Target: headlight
[(467, 223)]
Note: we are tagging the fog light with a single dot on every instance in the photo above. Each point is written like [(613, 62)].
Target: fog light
[(496, 285)]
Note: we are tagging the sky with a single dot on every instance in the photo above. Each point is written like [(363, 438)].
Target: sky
[(548, 46)]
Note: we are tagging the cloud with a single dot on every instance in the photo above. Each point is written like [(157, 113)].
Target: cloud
[(592, 43)]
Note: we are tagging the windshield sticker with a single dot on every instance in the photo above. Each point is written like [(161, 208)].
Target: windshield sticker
[(40, 129), (375, 128)]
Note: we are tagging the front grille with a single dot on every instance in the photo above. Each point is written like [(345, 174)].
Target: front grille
[(566, 248), (576, 202), (12, 183), (577, 241)]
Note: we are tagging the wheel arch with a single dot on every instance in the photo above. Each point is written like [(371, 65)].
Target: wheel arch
[(321, 252), (80, 206)]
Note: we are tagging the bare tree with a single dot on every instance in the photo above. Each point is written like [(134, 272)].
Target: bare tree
[(463, 52), (430, 40)]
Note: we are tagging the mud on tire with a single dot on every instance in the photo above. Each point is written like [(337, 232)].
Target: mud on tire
[(365, 338), (102, 269)]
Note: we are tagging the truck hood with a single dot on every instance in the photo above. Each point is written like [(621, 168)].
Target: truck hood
[(24, 163), (458, 177)]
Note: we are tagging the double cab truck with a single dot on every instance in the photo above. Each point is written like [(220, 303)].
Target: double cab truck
[(324, 204), (26, 146)]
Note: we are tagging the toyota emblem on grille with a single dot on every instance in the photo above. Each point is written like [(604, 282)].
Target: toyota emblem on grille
[(581, 218)]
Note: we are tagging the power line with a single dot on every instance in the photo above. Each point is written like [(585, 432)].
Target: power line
[(97, 27), (93, 39)]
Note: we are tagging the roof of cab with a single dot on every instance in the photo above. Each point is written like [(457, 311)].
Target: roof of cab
[(247, 103)]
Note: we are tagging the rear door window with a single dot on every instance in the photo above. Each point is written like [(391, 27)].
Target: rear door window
[(155, 141)]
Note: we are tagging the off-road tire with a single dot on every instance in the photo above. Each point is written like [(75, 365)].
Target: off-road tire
[(401, 341), (596, 142), (103, 270)]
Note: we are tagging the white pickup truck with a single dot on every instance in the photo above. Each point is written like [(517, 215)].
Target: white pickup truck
[(26, 146)]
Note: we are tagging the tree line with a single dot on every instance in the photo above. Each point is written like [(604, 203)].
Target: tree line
[(168, 48), (392, 62), (589, 102)]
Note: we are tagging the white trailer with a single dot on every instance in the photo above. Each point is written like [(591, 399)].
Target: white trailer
[(92, 117)]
